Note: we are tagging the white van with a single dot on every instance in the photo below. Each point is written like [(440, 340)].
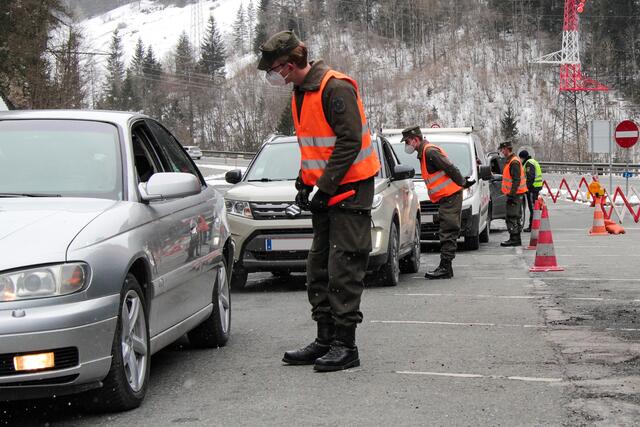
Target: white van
[(465, 151)]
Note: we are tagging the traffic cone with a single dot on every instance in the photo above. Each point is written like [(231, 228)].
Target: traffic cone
[(545, 253), (535, 224), (598, 228)]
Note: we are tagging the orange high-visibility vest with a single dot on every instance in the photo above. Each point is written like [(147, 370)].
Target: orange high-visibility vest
[(438, 183), (317, 140), (507, 180)]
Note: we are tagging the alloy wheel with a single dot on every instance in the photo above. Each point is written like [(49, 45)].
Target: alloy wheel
[(134, 340)]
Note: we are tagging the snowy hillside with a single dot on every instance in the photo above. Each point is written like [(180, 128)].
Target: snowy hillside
[(156, 25)]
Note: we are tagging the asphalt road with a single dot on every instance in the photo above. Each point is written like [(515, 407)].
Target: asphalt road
[(496, 345)]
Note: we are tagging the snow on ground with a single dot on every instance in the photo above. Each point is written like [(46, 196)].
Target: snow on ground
[(155, 24)]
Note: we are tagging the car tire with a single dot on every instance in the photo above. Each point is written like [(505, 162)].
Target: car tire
[(214, 331), (391, 269), (411, 262), (123, 388), (238, 278), (472, 243)]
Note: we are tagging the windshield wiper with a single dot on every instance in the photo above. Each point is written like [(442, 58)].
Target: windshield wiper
[(268, 180), (29, 195)]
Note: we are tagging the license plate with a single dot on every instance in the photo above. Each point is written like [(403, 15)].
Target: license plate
[(427, 218), (295, 244)]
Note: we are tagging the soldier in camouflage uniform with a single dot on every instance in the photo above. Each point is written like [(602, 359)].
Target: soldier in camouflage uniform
[(337, 159)]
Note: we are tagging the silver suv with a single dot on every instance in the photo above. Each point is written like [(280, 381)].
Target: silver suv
[(268, 240)]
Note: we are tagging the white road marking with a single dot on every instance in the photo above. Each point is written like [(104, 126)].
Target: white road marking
[(423, 322), (493, 377), (517, 297)]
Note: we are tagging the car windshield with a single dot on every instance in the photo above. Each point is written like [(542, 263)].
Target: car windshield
[(66, 158), (276, 162), (458, 154)]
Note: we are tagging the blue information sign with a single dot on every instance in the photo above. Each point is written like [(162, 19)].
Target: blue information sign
[(627, 174)]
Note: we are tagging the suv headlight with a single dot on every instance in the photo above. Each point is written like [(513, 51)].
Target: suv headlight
[(235, 207), (44, 282), (377, 201)]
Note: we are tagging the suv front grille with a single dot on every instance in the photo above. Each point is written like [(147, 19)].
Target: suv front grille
[(428, 207), (274, 210), (63, 358)]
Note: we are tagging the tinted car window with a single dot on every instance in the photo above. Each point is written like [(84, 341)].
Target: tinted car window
[(458, 154), (60, 157), (276, 162), (173, 157)]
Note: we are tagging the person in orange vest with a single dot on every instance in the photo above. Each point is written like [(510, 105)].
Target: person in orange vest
[(337, 158), (444, 183), (514, 185)]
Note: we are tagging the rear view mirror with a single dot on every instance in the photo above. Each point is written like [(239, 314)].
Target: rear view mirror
[(403, 172), (484, 172), (233, 176)]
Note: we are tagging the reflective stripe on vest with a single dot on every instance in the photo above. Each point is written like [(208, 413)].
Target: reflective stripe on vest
[(316, 138), (507, 181), (439, 184), (537, 182)]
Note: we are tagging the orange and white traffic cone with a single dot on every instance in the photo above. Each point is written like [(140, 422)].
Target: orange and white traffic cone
[(545, 253), (535, 224), (598, 228)]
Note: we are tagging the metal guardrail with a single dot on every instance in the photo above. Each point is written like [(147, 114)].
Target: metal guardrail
[(229, 154), (588, 168)]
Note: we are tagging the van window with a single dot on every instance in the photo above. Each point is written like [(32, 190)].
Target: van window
[(458, 153)]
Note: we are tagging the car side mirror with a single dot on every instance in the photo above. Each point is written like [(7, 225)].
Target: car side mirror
[(484, 172), (233, 176), (403, 172), (169, 185)]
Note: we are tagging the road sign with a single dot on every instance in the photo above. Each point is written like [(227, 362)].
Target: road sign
[(626, 134), (627, 174)]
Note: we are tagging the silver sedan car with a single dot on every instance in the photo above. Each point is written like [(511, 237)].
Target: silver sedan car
[(112, 247)]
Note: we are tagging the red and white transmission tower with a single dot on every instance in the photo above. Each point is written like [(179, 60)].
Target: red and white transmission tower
[(196, 30), (572, 81)]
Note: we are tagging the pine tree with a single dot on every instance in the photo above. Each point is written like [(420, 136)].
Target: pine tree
[(138, 58), (260, 32), (251, 24), (240, 31), (112, 98), (509, 125), (212, 54), (184, 60), (152, 99), (69, 83)]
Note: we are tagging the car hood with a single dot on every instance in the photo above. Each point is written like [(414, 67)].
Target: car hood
[(275, 191), (39, 230)]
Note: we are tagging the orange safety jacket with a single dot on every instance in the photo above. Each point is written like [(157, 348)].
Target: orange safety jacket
[(317, 140), (507, 180), (438, 183)]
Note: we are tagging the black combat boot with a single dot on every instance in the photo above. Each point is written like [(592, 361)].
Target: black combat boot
[(443, 271), (514, 240), (318, 348), (343, 353)]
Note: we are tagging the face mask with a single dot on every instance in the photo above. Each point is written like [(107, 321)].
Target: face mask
[(274, 78), (409, 149)]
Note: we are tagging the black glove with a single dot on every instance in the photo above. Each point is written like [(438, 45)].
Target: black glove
[(300, 185), (302, 198), (320, 202), (468, 182)]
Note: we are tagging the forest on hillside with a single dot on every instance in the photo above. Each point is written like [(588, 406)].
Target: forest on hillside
[(417, 61)]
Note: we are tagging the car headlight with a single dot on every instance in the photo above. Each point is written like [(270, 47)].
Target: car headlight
[(377, 201), (235, 207), (43, 282)]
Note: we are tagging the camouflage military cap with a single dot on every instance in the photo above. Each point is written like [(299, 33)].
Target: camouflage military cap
[(278, 45), (411, 131), (505, 144)]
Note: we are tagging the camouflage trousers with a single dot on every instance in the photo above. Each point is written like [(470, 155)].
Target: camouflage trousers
[(337, 264)]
